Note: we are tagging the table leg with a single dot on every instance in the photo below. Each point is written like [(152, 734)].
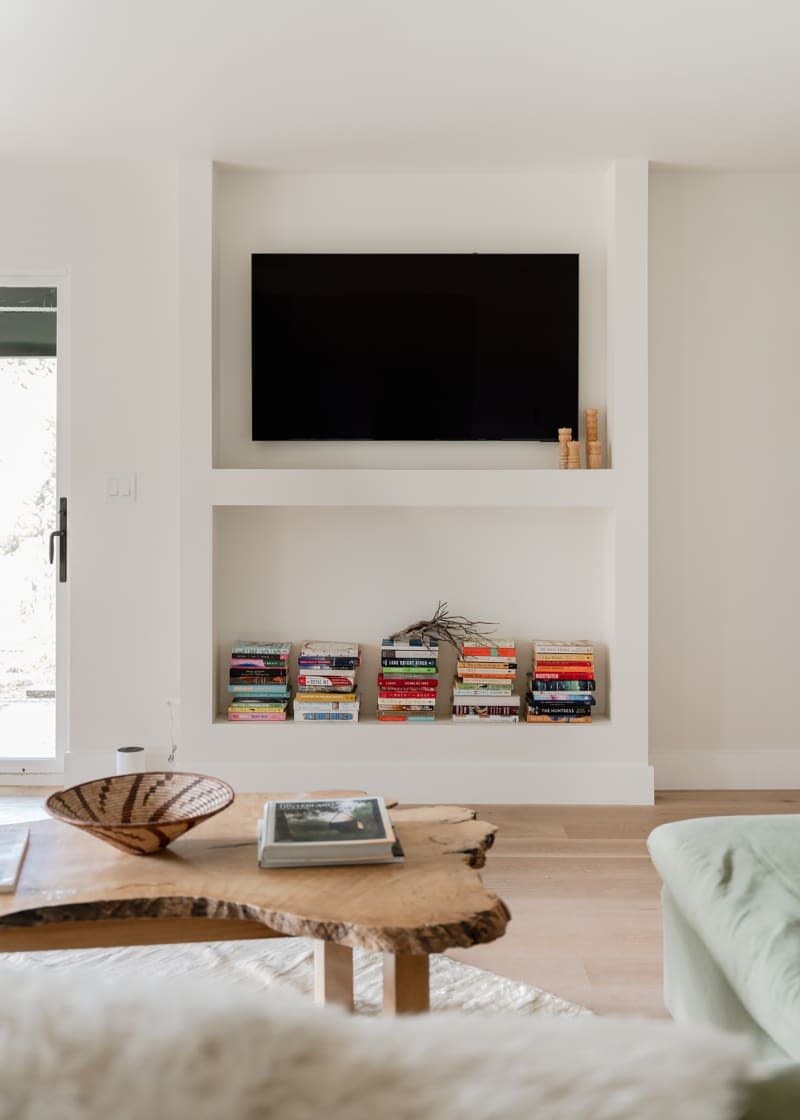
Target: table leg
[(333, 974), (405, 983)]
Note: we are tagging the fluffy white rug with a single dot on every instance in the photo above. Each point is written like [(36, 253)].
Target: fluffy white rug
[(289, 962), (80, 1047)]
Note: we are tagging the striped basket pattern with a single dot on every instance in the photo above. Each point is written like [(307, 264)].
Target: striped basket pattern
[(141, 813)]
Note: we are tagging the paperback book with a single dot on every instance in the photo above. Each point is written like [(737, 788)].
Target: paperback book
[(261, 649), (341, 717)]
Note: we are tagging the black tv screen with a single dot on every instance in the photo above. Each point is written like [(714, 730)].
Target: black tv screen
[(414, 346)]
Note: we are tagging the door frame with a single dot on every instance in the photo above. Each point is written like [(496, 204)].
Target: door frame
[(58, 278)]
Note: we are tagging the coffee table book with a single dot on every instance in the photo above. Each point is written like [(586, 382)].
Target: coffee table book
[(326, 832), (13, 846)]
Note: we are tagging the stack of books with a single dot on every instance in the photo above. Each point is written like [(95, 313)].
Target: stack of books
[(408, 680), (484, 684), (259, 681), (320, 833), (326, 682), (562, 682)]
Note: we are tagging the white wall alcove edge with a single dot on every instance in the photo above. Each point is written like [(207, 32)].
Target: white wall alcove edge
[(605, 763)]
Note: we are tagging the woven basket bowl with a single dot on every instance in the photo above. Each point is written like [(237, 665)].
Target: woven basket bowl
[(141, 813)]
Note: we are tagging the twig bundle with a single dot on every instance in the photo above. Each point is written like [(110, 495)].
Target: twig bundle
[(445, 627)]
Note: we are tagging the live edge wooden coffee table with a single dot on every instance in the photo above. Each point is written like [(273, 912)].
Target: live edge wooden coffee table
[(76, 892)]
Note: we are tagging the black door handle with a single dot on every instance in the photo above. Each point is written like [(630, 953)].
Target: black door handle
[(61, 534)]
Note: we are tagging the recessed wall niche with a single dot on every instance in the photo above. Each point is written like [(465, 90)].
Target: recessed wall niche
[(361, 573), (259, 211)]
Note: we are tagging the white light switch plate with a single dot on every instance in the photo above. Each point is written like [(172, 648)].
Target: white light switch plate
[(120, 488)]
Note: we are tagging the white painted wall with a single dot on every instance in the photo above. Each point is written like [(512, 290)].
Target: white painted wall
[(724, 340), (725, 544), (114, 227), (558, 212)]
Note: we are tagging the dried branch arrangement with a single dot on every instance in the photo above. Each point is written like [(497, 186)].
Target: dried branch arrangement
[(445, 627)]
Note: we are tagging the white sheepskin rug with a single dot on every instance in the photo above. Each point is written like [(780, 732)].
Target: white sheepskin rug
[(82, 1047), (289, 962)]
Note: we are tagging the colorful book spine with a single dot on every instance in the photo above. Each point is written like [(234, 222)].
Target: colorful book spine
[(322, 697), (326, 706), (278, 706), (331, 717), (562, 675), (412, 671), (408, 693), (322, 663), (485, 710), (318, 648), (481, 685), (259, 689), (560, 709), (409, 662), (400, 705), (532, 718), (258, 676), (258, 662), (405, 717), (564, 663), (571, 685), (409, 643), (256, 717), (326, 681), (486, 718), (500, 648), (544, 647), (262, 649), (564, 696)]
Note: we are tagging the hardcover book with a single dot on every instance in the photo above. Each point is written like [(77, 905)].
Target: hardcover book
[(340, 681), (243, 648), (329, 831)]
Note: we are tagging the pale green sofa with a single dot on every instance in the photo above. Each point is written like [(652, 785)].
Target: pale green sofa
[(731, 901)]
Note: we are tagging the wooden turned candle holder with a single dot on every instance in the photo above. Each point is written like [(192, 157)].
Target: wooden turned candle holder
[(591, 425), (574, 461), (594, 454), (564, 436)]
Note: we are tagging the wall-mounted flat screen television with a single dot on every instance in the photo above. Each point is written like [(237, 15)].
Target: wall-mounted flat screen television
[(414, 346)]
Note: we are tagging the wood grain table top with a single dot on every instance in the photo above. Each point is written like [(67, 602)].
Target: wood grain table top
[(433, 901)]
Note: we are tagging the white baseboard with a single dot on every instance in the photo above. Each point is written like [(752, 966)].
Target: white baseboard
[(509, 783), (745, 769)]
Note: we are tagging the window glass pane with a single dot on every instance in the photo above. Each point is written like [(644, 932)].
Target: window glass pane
[(27, 322)]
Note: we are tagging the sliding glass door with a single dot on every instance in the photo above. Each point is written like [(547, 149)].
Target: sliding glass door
[(33, 529)]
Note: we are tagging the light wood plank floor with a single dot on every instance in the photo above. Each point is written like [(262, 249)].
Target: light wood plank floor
[(583, 895)]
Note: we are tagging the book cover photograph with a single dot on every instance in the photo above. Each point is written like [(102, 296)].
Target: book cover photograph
[(327, 831), (336, 821)]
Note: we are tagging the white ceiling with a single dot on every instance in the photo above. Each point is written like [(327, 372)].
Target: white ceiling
[(404, 84)]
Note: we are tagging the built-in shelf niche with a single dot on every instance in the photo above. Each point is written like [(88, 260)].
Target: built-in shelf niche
[(255, 518), (359, 573)]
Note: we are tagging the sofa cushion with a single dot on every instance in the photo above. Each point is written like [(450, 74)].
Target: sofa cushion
[(76, 1048), (737, 882)]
